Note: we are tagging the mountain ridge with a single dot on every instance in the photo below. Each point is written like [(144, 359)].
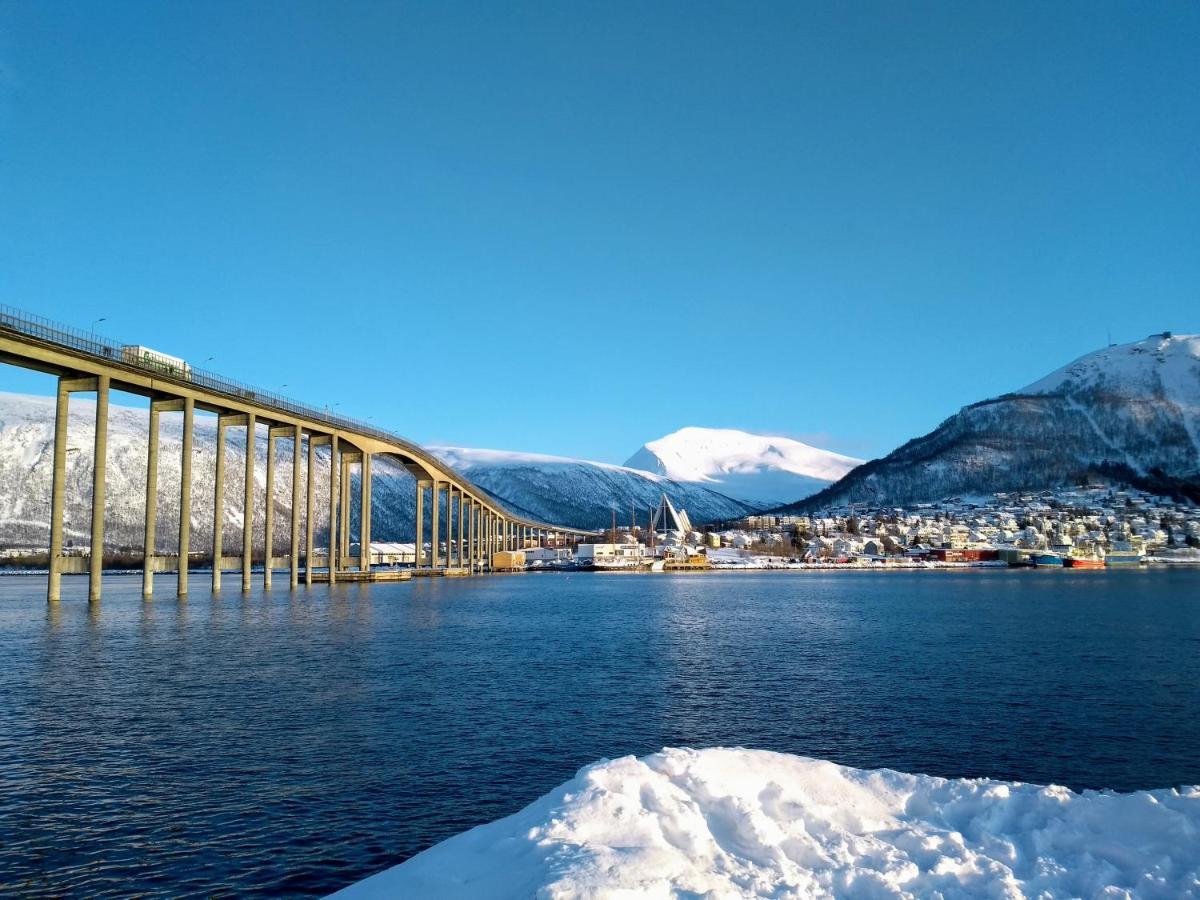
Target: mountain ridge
[(553, 489), (759, 468), (1128, 411)]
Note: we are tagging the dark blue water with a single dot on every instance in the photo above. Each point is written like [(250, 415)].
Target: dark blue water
[(291, 743)]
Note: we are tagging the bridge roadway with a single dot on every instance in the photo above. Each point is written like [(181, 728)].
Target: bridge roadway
[(475, 526)]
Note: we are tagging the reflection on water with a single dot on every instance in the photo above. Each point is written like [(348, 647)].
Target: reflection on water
[(292, 742)]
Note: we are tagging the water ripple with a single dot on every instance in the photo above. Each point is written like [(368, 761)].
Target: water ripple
[(281, 743)]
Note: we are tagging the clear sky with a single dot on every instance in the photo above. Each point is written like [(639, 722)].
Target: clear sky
[(574, 227)]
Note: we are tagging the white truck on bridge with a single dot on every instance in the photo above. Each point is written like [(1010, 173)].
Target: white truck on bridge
[(153, 359)]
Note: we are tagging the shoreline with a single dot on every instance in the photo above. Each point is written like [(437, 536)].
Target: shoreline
[(1161, 565)]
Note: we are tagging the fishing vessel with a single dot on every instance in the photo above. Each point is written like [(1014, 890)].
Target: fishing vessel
[(686, 562), (1084, 562), (1124, 558), (1047, 561)]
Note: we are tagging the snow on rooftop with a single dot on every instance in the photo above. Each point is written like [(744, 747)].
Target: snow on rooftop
[(750, 823)]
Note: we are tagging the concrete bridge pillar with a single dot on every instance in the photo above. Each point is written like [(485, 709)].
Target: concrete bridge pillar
[(151, 517), (248, 504), (99, 481), (57, 489), (471, 537), (310, 520), (294, 545), (364, 515), (344, 516), (149, 539), (269, 510), (462, 508), (334, 499), (185, 496), (435, 532), (449, 525), (478, 537), (419, 545), (218, 505)]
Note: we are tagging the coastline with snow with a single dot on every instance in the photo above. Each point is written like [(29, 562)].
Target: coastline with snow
[(753, 823)]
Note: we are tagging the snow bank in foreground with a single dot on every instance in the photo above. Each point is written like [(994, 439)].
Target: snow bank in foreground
[(736, 823)]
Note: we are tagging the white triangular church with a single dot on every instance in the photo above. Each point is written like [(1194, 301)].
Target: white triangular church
[(668, 518)]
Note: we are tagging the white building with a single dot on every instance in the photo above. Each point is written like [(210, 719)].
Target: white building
[(389, 554), (609, 554)]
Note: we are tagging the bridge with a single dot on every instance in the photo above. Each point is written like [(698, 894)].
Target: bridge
[(475, 526)]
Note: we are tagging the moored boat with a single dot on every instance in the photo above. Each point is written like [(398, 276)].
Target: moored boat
[(1124, 558), (1084, 562), (1047, 561)]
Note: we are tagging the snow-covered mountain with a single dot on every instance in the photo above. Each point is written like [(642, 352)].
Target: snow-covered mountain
[(582, 493), (759, 468), (1130, 411), (26, 446), (569, 492)]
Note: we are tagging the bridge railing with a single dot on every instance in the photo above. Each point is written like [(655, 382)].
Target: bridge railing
[(107, 350)]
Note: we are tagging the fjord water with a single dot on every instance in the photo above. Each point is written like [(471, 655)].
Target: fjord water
[(292, 742)]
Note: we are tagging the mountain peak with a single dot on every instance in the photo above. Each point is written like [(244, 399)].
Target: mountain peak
[(1163, 361), (763, 468), (1128, 412)]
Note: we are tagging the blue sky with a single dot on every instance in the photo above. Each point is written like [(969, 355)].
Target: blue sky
[(574, 227)]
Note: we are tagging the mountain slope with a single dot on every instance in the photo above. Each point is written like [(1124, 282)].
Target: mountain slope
[(759, 468), (582, 493), (26, 447), (569, 492), (1131, 410)]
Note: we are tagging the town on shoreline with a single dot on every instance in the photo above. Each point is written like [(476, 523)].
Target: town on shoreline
[(1086, 526)]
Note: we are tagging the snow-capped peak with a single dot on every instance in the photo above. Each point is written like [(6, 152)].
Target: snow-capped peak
[(756, 467), (1163, 365), (466, 458)]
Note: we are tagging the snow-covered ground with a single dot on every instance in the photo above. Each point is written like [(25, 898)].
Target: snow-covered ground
[(760, 468), (749, 823)]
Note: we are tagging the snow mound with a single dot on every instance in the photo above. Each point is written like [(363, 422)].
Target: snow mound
[(749, 823), (751, 466)]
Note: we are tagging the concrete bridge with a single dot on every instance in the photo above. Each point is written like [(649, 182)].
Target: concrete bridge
[(475, 524)]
